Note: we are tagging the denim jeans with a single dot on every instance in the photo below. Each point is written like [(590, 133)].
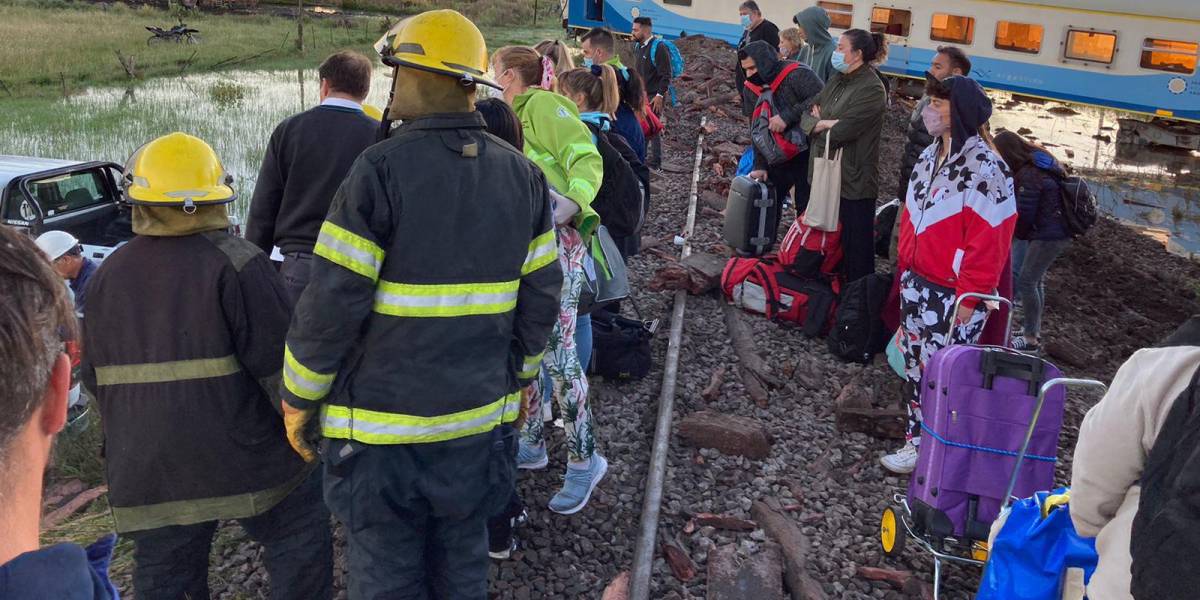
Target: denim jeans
[(1036, 258), (1019, 249)]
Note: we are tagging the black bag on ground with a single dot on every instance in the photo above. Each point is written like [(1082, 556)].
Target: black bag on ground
[(819, 305), (1078, 205), (885, 223), (858, 333), (1165, 538), (620, 346), (751, 216), (620, 201)]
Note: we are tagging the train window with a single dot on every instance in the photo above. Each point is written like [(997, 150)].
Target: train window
[(1019, 37), (1169, 55), (840, 13), (952, 28), (892, 21), (1092, 46)]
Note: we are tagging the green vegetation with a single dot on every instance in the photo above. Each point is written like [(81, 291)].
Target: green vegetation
[(57, 47)]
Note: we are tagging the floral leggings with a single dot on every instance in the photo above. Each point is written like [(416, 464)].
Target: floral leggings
[(926, 313), (561, 361)]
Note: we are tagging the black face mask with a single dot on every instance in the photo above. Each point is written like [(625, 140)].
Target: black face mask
[(756, 79)]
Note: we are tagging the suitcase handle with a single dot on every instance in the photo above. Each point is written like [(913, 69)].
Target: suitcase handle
[(1014, 366), (994, 298), (1037, 411)]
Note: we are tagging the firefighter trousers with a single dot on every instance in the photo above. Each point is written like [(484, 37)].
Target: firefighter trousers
[(171, 563), (415, 515)]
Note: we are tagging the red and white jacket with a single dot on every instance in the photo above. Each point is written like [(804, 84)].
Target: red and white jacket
[(958, 224)]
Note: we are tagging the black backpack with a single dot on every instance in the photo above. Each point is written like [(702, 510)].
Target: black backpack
[(858, 332), (620, 200), (1078, 205), (1165, 538)]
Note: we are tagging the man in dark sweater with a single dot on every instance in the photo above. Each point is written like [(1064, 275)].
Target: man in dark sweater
[(653, 62), (307, 158), (757, 28)]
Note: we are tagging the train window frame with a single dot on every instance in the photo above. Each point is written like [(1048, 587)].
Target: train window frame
[(837, 11), (965, 41), (678, 2), (1084, 60), (1041, 37), (1146, 58), (881, 26)]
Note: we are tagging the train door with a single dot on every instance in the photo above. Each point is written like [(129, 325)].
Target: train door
[(594, 10)]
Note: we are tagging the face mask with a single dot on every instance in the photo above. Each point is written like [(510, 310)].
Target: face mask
[(933, 121), (587, 63), (745, 21), (838, 60), (755, 79)]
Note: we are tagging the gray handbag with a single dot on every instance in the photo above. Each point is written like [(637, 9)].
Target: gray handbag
[(598, 288)]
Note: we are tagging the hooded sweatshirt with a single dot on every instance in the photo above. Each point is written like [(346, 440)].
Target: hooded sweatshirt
[(795, 93), (62, 572), (960, 215), (765, 32), (562, 147), (815, 23), (1039, 199)]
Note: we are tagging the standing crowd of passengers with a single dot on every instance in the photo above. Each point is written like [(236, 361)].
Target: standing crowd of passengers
[(460, 234)]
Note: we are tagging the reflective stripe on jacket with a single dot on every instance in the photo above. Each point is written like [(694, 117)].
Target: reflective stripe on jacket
[(434, 288), (558, 142)]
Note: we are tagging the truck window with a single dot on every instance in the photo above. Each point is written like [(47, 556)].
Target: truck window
[(68, 193)]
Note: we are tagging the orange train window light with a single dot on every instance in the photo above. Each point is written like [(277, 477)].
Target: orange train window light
[(891, 21), (840, 13), (1019, 37), (1091, 46), (952, 28), (1169, 55)]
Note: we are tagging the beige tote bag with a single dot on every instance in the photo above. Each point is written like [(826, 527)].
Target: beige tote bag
[(826, 197)]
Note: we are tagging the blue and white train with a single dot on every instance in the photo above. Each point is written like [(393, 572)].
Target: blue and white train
[(1132, 55)]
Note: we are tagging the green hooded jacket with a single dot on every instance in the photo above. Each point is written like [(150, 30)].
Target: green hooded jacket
[(815, 23), (562, 147)]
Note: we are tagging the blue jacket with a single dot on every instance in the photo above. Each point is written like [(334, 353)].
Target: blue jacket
[(79, 284), (61, 572), (628, 127), (1039, 200)]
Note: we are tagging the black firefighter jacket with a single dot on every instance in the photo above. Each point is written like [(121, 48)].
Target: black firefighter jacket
[(184, 339), (433, 292)]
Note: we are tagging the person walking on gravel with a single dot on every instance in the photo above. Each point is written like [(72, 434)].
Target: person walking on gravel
[(184, 334), (1041, 234), (958, 221), (558, 142), (434, 288)]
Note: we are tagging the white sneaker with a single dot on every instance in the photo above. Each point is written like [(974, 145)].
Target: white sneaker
[(902, 461)]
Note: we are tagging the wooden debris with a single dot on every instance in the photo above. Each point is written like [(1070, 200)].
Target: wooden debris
[(794, 546), (855, 413), (61, 491), (1069, 353), (731, 577), (75, 505), (618, 588), (723, 522), (728, 434), (697, 273), (756, 376), (896, 578), (713, 390), (680, 562)]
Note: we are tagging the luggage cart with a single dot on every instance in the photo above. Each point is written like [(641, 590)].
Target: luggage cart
[(897, 523)]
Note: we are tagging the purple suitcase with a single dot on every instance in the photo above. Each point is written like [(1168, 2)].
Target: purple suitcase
[(977, 402)]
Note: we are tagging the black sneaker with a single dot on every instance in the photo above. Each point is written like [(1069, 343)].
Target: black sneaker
[(502, 531)]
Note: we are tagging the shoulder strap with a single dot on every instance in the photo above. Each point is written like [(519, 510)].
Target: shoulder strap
[(787, 70)]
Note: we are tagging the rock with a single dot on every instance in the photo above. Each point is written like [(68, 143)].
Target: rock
[(618, 588), (698, 273), (728, 148), (854, 412), (732, 578), (732, 435), (723, 522), (712, 200)]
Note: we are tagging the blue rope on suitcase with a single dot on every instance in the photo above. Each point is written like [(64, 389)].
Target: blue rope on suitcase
[(947, 442)]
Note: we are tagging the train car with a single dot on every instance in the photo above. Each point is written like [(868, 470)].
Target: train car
[(1137, 56)]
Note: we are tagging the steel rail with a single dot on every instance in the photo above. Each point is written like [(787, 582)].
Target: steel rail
[(643, 554)]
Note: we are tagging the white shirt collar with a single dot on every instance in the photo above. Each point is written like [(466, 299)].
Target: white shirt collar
[(341, 103)]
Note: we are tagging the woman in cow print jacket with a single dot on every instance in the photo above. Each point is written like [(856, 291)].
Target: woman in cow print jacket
[(954, 238)]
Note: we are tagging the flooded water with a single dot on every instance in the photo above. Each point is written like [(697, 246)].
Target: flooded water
[(1153, 188), (233, 111)]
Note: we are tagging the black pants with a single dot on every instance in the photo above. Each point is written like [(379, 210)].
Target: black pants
[(858, 237), (792, 173), (296, 270), (654, 152), (171, 563), (416, 515)]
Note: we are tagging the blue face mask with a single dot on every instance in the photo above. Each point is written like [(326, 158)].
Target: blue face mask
[(745, 21), (587, 62), (838, 61)]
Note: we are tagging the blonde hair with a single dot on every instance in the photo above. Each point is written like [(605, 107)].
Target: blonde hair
[(599, 90), (792, 36), (557, 52)]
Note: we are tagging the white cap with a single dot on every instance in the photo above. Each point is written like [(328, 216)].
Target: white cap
[(56, 243)]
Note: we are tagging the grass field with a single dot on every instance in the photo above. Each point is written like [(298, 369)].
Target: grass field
[(55, 48)]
